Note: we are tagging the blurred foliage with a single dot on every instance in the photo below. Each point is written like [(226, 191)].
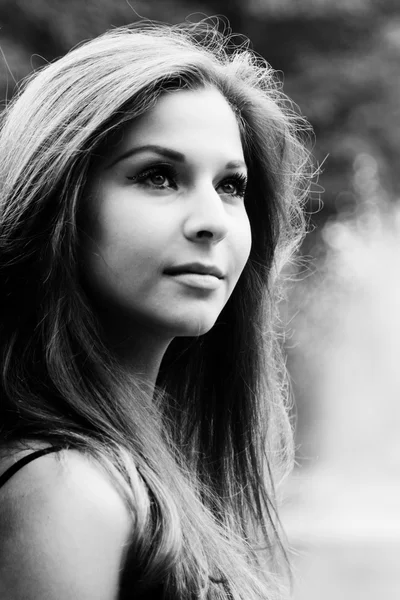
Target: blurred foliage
[(340, 63)]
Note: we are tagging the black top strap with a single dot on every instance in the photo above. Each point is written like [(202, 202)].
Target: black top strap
[(24, 461)]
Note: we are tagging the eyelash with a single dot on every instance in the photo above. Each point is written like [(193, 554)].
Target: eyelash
[(238, 179), (166, 170)]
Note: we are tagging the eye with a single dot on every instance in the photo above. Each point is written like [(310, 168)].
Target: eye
[(235, 185), (159, 177)]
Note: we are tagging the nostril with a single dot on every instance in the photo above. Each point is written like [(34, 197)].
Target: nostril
[(204, 233)]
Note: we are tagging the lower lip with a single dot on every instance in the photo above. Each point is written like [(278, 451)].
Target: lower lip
[(198, 280)]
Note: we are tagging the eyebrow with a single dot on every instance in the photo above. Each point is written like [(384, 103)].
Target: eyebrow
[(168, 153)]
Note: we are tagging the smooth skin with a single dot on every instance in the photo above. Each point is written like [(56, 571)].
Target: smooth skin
[(64, 528), (64, 531)]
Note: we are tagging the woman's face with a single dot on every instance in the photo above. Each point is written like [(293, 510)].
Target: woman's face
[(166, 230)]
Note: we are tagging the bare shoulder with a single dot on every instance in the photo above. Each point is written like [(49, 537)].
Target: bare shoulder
[(64, 530)]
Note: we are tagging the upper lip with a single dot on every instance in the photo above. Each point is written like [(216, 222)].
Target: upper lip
[(195, 267)]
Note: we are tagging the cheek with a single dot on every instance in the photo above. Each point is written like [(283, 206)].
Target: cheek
[(120, 232)]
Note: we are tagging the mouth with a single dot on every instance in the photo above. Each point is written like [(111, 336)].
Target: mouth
[(195, 268), (196, 276)]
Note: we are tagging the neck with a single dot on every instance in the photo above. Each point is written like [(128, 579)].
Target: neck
[(141, 358), (138, 350)]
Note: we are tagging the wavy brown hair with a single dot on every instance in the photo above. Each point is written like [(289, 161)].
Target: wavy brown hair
[(198, 460)]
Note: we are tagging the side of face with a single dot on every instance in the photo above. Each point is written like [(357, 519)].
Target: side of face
[(167, 234)]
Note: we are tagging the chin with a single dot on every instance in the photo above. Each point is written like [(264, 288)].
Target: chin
[(191, 332), (193, 327)]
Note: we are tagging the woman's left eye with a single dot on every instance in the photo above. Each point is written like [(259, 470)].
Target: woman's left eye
[(234, 185)]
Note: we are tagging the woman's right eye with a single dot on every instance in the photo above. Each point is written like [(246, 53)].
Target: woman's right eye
[(157, 177)]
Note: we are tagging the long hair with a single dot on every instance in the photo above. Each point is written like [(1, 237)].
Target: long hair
[(197, 461)]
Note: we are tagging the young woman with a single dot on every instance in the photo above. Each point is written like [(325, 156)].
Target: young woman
[(152, 183)]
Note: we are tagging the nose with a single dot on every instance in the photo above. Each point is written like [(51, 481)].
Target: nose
[(207, 219)]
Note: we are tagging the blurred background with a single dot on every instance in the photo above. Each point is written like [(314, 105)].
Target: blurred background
[(340, 62)]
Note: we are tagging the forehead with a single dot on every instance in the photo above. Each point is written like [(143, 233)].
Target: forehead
[(190, 121)]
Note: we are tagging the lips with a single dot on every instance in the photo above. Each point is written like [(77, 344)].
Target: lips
[(198, 268)]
